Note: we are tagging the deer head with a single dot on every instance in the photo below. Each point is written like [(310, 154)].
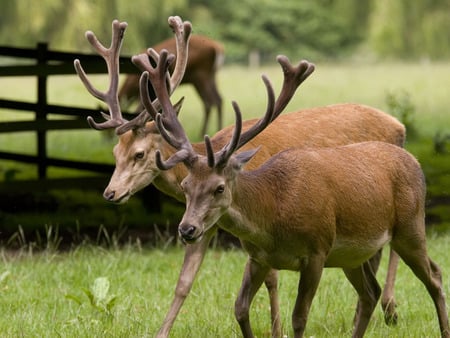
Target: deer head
[(133, 163)]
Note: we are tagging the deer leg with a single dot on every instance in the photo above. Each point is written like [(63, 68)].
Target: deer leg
[(217, 101), (254, 275), (193, 259), (311, 272), (271, 283), (414, 254), (207, 90), (387, 299), (366, 285), (207, 110)]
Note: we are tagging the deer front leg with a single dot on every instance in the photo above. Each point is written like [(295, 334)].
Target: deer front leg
[(254, 275), (311, 272), (193, 259), (271, 283)]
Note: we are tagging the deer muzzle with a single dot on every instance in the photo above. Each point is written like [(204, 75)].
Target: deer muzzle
[(113, 197), (189, 233)]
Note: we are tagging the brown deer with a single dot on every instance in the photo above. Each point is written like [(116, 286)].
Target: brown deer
[(305, 210), (205, 58), (317, 127)]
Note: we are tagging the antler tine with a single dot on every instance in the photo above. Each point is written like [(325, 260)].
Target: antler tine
[(182, 31), (111, 57), (222, 156), (293, 77), (265, 120)]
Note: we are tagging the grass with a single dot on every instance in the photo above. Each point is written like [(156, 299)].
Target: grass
[(51, 294)]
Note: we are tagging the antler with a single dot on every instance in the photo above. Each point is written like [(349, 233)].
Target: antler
[(238, 139), (111, 57), (182, 31), (293, 77), (168, 123)]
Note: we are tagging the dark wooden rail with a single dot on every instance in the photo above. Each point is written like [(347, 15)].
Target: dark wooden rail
[(45, 63)]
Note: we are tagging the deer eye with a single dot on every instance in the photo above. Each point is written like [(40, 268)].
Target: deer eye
[(219, 190), (139, 155)]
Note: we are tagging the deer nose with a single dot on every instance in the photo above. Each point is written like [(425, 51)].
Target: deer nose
[(187, 231), (109, 195)]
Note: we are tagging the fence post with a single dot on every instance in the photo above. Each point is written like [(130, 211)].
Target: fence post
[(41, 114)]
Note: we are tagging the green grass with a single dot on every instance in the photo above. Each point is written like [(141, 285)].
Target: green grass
[(46, 295)]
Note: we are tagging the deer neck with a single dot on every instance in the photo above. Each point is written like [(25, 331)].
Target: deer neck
[(252, 210)]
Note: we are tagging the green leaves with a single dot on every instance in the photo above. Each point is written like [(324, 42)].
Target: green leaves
[(98, 296)]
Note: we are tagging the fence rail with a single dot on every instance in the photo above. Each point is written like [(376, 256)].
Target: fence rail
[(45, 63)]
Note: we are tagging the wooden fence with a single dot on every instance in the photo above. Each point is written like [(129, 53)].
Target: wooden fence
[(45, 63)]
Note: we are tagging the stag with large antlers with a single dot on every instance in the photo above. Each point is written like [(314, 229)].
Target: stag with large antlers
[(139, 138), (305, 210)]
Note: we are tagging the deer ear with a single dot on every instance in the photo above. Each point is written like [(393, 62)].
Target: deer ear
[(241, 159)]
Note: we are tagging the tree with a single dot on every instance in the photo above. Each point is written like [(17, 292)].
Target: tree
[(410, 29)]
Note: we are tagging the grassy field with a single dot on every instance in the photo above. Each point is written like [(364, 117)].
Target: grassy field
[(47, 295)]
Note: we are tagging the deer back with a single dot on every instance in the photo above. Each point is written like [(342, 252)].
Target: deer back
[(327, 126)]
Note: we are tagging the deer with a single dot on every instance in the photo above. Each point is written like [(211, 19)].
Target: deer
[(139, 139), (205, 58), (304, 210)]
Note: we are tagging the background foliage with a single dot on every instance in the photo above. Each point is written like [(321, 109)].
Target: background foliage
[(311, 29)]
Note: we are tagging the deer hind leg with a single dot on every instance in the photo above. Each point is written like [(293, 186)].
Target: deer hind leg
[(217, 102), (254, 275), (271, 283), (207, 90), (387, 298), (193, 259), (388, 303), (414, 253), (366, 285)]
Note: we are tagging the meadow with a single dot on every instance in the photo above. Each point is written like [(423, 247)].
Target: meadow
[(125, 292), (64, 293)]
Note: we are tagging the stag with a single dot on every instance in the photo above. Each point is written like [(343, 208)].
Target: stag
[(306, 210), (205, 58), (138, 140)]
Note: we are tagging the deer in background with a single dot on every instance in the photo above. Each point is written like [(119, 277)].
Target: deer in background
[(139, 139), (205, 58), (305, 210)]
